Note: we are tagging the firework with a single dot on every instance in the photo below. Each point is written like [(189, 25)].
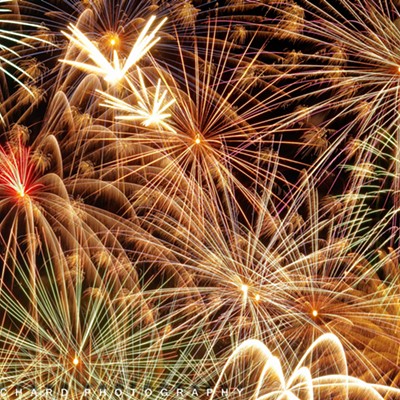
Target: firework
[(150, 112), (12, 41), (112, 71), (210, 201), (325, 357)]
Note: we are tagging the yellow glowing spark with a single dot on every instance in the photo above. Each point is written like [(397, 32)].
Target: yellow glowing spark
[(197, 140), (245, 290), (113, 42), (112, 71), (257, 297), (20, 191), (151, 108), (315, 313), (75, 361)]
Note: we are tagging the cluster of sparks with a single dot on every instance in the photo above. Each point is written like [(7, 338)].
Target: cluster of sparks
[(183, 204)]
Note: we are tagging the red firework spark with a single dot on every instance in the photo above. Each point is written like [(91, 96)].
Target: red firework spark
[(17, 172)]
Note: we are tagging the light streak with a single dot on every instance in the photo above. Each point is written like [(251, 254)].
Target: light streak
[(115, 70)]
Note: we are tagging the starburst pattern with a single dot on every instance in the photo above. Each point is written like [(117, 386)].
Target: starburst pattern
[(151, 112), (200, 199), (112, 71)]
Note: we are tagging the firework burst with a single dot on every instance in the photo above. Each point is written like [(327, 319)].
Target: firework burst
[(179, 192), (112, 71)]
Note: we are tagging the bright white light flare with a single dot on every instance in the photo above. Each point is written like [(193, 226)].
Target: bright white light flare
[(112, 71), (150, 109)]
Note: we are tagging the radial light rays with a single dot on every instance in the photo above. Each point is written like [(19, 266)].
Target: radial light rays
[(204, 201), (151, 109), (17, 175), (112, 70)]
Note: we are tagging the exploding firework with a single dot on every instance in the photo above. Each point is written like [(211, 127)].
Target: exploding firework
[(112, 71), (180, 189)]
